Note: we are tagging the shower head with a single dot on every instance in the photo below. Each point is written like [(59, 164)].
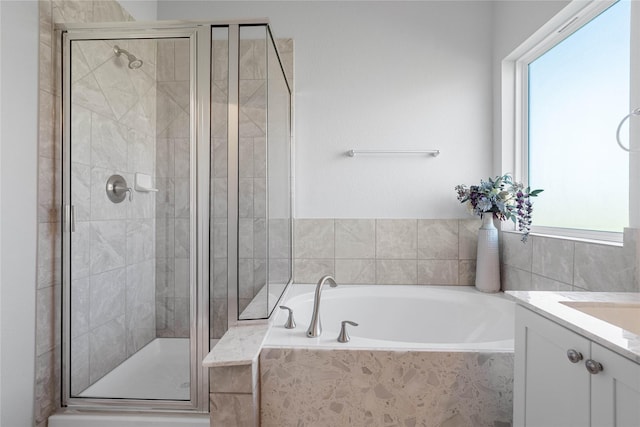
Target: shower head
[(134, 63)]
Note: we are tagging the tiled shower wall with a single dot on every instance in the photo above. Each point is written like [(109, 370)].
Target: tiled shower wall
[(443, 252), (172, 202), (47, 386), (113, 246)]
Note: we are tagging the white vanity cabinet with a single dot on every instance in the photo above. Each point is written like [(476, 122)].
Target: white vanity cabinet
[(553, 387)]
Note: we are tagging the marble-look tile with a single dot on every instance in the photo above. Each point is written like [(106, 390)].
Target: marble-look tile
[(514, 279), (279, 271), (141, 152), (140, 284), (253, 58), (311, 270), (219, 155), (182, 278), (80, 306), (178, 91), (241, 345), (259, 198), (245, 238), (396, 272), (165, 277), (603, 268), (80, 191), (47, 384), (116, 86), (165, 238), (356, 271), (259, 157), (87, 93), (181, 318), (245, 278), (438, 272), (233, 410), (107, 346), (143, 204), (182, 157), (182, 188), (49, 255), (80, 135), (219, 278), (355, 238), (245, 157), (165, 60), (396, 239), (541, 283), (233, 379), (80, 362), (467, 272), (219, 109), (437, 239), (515, 253), (385, 388), (140, 240), (245, 197), (106, 11), (219, 317), (142, 116), (182, 238), (49, 190), (219, 200), (109, 143), (553, 258), (165, 198), (108, 245), (314, 238), (468, 238), (164, 158), (279, 237), (165, 308), (48, 303), (107, 297), (47, 110), (219, 244)]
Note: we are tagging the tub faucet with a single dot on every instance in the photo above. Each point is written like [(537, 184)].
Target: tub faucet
[(315, 328)]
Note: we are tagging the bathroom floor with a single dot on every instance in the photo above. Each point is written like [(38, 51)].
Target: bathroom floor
[(160, 370)]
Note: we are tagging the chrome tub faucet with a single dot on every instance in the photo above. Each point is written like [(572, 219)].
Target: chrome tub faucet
[(315, 328)]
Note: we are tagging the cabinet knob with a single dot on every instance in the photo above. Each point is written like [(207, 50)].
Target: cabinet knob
[(574, 356), (593, 367)]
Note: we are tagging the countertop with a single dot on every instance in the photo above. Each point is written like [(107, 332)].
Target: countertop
[(548, 304)]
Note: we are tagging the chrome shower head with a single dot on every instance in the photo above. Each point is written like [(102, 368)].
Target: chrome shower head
[(134, 63)]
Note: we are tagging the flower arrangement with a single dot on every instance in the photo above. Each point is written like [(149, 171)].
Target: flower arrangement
[(503, 197)]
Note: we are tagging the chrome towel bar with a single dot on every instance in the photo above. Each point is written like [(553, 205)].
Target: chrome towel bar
[(433, 153)]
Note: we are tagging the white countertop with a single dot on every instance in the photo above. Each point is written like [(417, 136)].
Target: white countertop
[(240, 345), (549, 305)]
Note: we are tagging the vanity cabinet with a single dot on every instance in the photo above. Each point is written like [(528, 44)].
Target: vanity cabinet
[(553, 387)]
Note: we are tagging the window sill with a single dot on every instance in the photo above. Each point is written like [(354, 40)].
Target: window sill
[(615, 243)]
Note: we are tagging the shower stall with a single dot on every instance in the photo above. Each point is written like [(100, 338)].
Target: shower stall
[(176, 203)]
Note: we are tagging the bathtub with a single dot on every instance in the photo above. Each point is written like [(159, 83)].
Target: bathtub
[(399, 317), (421, 355)]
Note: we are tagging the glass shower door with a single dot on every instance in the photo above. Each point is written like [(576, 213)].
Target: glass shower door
[(130, 217)]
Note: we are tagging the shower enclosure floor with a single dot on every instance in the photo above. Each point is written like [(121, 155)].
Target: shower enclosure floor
[(160, 370)]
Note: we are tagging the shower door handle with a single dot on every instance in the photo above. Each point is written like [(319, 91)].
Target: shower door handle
[(70, 218)]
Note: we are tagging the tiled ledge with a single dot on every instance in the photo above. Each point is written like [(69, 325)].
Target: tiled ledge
[(233, 373)]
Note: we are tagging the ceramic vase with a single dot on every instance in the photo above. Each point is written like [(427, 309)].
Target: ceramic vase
[(488, 257)]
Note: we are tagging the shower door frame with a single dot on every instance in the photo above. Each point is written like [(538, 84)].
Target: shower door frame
[(200, 66)]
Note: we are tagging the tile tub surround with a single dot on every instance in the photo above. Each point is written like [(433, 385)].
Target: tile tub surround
[(386, 251), (557, 264), (347, 387)]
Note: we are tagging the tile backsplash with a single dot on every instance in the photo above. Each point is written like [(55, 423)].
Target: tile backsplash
[(443, 252)]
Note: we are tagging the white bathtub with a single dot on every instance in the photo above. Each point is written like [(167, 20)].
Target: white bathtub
[(399, 317)]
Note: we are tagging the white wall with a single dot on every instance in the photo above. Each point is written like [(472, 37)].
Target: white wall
[(18, 191), (380, 75), (514, 22), (141, 10)]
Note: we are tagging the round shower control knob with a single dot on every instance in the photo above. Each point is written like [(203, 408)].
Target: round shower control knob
[(574, 356), (593, 367)]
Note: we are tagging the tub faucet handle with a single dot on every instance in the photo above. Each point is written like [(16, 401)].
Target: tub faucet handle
[(344, 336), (290, 322)]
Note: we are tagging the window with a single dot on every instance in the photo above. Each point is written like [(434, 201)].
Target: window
[(575, 89)]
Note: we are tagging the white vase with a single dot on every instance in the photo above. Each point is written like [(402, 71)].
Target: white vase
[(488, 257)]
